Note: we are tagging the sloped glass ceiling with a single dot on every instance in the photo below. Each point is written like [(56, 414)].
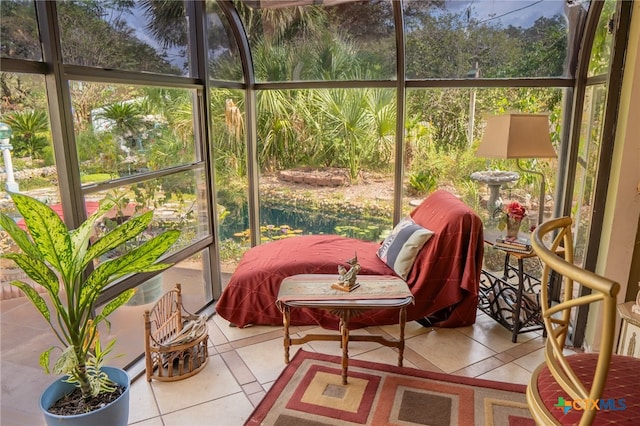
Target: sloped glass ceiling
[(355, 40), (224, 55), (136, 36), (19, 36), (336, 41), (489, 39)]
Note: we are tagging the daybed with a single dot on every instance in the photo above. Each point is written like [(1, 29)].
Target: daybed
[(444, 278)]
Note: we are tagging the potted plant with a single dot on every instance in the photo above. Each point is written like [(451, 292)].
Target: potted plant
[(60, 260), (511, 218)]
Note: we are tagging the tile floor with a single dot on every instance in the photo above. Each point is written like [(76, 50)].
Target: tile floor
[(245, 362)]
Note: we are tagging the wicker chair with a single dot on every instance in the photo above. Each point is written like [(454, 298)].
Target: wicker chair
[(175, 341), (584, 388)]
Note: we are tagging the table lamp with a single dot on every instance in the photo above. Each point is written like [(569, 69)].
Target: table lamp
[(519, 135)]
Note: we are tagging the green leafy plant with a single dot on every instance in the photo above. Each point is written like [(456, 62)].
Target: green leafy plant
[(422, 183), (58, 259)]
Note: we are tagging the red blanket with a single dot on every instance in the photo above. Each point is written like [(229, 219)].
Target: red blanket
[(444, 279)]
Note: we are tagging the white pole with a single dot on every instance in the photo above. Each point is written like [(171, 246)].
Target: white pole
[(5, 145)]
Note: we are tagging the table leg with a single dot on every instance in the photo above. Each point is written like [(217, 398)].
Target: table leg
[(516, 313), (403, 320), (344, 331), (287, 340)]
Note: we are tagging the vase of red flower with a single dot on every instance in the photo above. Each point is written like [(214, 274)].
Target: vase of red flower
[(511, 218), (513, 227)]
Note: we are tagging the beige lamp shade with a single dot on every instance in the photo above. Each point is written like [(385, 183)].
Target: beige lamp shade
[(517, 136)]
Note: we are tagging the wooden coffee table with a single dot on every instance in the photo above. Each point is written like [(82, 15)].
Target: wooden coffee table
[(314, 291)]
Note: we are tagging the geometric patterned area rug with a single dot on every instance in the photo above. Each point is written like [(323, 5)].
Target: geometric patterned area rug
[(309, 392)]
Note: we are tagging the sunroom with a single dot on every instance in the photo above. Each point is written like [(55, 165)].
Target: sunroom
[(244, 122)]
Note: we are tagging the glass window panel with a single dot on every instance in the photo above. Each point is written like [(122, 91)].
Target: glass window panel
[(128, 130), (229, 146), (348, 41), (127, 323), (600, 59), (28, 162), (442, 138), (177, 200), (25, 334), (587, 166), (137, 36), (224, 56), (492, 39), (19, 37), (326, 162)]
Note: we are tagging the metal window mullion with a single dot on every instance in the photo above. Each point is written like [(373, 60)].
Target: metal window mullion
[(202, 126), (400, 113), (100, 75), (543, 82), (250, 117), (22, 66), (603, 173), (441, 83), (133, 281), (129, 180), (568, 155), (60, 116)]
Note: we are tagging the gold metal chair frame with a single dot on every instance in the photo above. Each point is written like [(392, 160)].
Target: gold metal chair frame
[(557, 317)]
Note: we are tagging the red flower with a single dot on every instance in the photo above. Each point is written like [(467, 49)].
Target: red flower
[(516, 211), (513, 210)]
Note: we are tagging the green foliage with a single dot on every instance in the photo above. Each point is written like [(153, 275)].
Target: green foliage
[(36, 182), (471, 197), (603, 41), (231, 250), (270, 233), (344, 114), (228, 143), (19, 18), (57, 258), (96, 33), (233, 196), (367, 233), (449, 45), (30, 132), (125, 120), (446, 112), (421, 183), (96, 177), (98, 153)]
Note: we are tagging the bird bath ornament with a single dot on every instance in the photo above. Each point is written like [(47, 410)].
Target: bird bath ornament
[(494, 179)]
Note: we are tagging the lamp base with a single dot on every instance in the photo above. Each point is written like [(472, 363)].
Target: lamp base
[(542, 190)]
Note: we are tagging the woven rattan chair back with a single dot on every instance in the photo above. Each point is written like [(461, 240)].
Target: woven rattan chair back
[(175, 341)]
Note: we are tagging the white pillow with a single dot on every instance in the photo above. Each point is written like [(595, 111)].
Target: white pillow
[(400, 249)]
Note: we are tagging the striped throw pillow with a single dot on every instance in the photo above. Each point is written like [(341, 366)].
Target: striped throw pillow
[(400, 248)]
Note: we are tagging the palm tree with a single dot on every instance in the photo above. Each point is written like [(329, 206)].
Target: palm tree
[(344, 115), (125, 119), (30, 132), (281, 23), (167, 23)]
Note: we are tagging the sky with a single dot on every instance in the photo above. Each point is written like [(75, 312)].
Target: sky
[(519, 13)]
